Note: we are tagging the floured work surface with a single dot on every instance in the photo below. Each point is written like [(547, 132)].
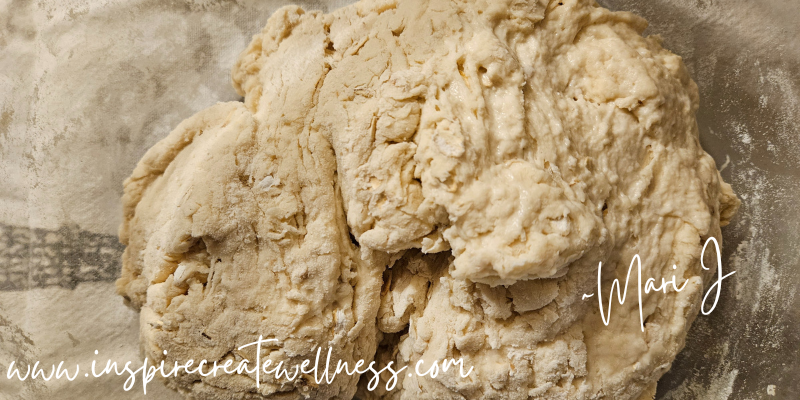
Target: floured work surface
[(65, 193)]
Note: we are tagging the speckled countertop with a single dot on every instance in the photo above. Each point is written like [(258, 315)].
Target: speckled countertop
[(86, 86)]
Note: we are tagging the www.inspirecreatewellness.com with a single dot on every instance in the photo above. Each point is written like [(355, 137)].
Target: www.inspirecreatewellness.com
[(280, 371)]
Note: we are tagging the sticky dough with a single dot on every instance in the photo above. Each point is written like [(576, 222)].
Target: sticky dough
[(234, 231), (484, 155)]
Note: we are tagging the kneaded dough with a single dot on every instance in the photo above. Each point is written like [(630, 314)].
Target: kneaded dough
[(487, 156), (234, 231)]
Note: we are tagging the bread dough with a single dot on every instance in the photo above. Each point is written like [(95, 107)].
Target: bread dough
[(234, 231), (506, 132), (496, 150)]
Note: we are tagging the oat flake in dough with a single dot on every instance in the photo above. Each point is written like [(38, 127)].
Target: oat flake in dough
[(501, 149)]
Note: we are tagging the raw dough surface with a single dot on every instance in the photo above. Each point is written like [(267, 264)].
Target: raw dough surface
[(234, 230), (496, 150)]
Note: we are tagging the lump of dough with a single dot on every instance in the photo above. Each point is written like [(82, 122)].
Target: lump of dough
[(234, 231), (497, 150), (533, 139), (519, 134)]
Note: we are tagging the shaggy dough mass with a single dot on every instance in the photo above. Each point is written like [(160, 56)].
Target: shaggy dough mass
[(497, 151), (234, 230)]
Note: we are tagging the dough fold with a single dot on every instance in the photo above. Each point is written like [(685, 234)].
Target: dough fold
[(235, 232)]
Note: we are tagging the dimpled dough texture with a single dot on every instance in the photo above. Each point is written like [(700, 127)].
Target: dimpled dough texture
[(497, 150)]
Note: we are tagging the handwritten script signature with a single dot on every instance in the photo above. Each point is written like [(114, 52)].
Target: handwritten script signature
[(650, 285)]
